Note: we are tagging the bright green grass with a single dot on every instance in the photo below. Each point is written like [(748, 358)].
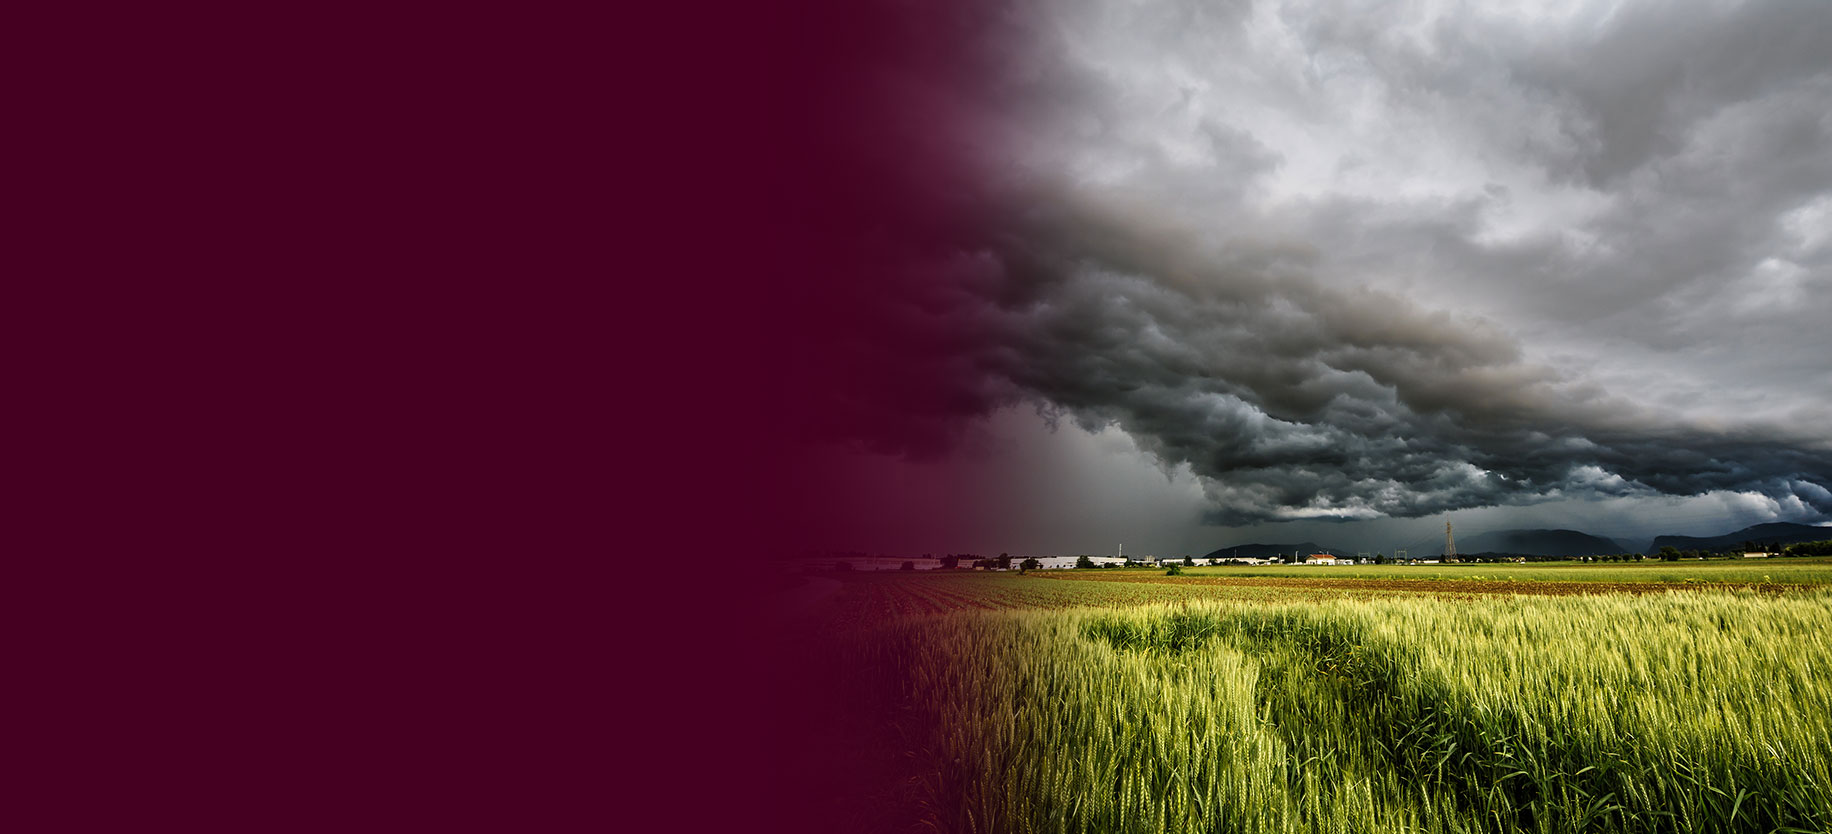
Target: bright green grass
[(1707, 711), (1810, 570)]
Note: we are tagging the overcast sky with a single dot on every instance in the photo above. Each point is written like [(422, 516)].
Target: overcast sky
[(1339, 271)]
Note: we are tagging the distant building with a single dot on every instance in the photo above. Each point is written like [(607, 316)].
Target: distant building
[(1067, 562), (1319, 559), (1757, 555)]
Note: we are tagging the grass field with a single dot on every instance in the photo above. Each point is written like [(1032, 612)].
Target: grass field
[(1126, 701)]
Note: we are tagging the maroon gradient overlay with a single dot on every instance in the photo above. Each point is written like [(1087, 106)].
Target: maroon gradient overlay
[(825, 176), (419, 394), (882, 123)]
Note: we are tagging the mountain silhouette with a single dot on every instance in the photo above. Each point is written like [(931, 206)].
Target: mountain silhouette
[(1269, 551), (1549, 543), (1522, 543), (1775, 533)]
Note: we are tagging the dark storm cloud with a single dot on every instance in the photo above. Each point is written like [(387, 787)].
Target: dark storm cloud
[(1295, 399), (1473, 299)]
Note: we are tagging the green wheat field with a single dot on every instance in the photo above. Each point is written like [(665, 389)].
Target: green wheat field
[(1163, 704)]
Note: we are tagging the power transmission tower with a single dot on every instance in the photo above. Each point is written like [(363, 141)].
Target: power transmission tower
[(1450, 544)]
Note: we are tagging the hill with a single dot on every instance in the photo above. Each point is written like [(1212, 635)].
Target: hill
[(1761, 535), (1523, 543), (1268, 551), (1552, 543), (1541, 543)]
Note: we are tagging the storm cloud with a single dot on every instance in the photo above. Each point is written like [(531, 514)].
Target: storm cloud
[(1351, 263)]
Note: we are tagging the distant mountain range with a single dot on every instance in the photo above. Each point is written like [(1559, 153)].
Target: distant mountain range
[(1267, 551), (1540, 543), (1556, 543), (1524, 543), (1761, 535)]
